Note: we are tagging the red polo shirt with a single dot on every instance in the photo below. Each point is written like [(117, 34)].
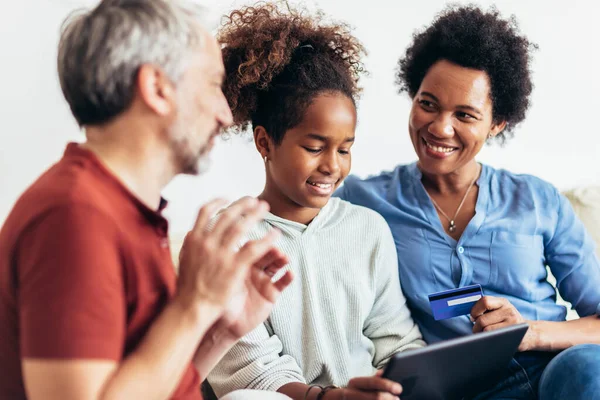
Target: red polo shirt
[(85, 269)]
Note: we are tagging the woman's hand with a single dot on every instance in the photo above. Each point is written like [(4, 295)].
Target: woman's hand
[(491, 313), (367, 388)]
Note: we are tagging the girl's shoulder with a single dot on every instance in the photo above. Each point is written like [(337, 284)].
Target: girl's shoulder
[(353, 216)]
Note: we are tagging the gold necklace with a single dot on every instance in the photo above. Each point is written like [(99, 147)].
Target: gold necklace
[(452, 226)]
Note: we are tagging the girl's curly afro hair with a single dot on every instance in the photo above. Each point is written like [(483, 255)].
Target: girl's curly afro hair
[(277, 59)]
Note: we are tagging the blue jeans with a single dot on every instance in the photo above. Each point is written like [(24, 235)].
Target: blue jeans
[(573, 374)]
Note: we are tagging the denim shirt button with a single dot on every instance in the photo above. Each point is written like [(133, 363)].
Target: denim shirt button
[(461, 249)]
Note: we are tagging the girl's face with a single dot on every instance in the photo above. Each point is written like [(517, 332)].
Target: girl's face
[(314, 157), (451, 117)]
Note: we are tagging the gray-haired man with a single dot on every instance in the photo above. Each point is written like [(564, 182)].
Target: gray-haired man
[(89, 301)]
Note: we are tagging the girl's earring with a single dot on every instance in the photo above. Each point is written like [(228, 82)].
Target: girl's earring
[(265, 158)]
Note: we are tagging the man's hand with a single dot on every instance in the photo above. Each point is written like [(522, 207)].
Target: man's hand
[(254, 303), (367, 388), (491, 313), (212, 270)]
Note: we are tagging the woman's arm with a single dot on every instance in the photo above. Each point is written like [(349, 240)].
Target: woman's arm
[(570, 254), (491, 313), (554, 336), (569, 251)]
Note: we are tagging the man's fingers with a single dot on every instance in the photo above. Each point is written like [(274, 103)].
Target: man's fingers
[(272, 270), (234, 214), (272, 262), (231, 214), (238, 230), (375, 383), (254, 250), (269, 258), (265, 286), (284, 281), (204, 215)]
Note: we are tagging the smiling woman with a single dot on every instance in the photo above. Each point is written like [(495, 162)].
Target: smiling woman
[(294, 80), (458, 222)]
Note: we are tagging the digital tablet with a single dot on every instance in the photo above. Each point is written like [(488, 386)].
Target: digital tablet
[(455, 368)]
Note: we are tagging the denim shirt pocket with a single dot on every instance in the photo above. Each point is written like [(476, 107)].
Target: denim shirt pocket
[(518, 265)]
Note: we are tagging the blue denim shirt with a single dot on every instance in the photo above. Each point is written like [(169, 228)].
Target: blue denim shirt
[(521, 225)]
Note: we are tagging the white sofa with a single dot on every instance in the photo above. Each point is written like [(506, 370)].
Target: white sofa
[(585, 201)]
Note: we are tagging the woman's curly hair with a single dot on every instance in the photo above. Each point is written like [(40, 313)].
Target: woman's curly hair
[(277, 59), (472, 38)]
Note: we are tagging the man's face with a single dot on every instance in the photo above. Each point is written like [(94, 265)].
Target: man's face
[(202, 110)]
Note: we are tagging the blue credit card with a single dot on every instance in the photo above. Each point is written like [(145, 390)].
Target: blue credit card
[(454, 302)]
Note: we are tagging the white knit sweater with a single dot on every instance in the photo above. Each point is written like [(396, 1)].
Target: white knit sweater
[(343, 316)]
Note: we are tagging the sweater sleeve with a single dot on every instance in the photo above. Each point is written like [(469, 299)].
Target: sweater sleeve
[(389, 324), (255, 362)]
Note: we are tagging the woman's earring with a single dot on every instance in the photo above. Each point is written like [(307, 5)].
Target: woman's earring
[(489, 136), (266, 159)]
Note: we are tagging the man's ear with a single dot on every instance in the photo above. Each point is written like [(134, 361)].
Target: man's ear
[(263, 142), (497, 127), (156, 90)]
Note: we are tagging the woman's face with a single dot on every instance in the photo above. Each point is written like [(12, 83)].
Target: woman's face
[(451, 117), (314, 157)]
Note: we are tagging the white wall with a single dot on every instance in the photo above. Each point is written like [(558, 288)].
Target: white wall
[(559, 140)]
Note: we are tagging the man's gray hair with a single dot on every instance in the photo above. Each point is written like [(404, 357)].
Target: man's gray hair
[(101, 50)]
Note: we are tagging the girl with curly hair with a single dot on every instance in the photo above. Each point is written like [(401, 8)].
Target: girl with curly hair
[(458, 222), (293, 79)]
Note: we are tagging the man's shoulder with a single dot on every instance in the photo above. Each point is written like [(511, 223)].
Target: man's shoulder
[(62, 188)]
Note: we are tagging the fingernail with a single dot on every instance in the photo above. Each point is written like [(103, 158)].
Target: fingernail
[(397, 388), (471, 318)]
